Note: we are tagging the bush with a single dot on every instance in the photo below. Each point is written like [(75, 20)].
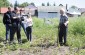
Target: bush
[(78, 27)]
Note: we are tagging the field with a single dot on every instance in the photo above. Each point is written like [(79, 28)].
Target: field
[(44, 40)]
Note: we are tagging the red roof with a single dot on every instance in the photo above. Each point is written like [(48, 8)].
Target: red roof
[(5, 9)]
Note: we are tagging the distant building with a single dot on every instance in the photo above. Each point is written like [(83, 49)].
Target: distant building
[(82, 10), (73, 12), (3, 10), (30, 9), (49, 11)]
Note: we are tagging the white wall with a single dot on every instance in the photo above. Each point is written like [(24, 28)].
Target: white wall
[(47, 15)]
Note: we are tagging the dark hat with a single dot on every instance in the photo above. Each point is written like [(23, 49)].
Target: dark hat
[(21, 10), (9, 7), (15, 8)]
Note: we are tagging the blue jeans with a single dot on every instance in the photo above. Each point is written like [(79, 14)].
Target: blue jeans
[(7, 31), (22, 24)]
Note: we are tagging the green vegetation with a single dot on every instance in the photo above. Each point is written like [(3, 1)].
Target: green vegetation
[(45, 35), (4, 3)]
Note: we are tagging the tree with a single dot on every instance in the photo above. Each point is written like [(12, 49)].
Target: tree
[(32, 4), (11, 5), (60, 4), (54, 4), (16, 4), (24, 4), (4, 3), (48, 4), (74, 7), (43, 4)]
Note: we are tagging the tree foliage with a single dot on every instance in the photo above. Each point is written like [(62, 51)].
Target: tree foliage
[(43, 4), (54, 4), (32, 4), (16, 4), (48, 4), (4, 3), (74, 7), (24, 4), (60, 4)]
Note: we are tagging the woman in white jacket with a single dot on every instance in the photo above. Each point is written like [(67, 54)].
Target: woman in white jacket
[(28, 25)]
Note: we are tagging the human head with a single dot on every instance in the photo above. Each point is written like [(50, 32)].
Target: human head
[(22, 10), (62, 11), (9, 9), (16, 9), (29, 15)]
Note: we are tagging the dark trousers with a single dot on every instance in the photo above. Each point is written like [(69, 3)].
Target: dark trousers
[(62, 34), (22, 24), (29, 33), (7, 31), (13, 31)]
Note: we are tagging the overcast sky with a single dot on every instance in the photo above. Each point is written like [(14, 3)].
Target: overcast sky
[(78, 3)]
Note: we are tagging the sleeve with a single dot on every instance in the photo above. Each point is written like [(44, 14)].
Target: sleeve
[(22, 18), (4, 18), (66, 18)]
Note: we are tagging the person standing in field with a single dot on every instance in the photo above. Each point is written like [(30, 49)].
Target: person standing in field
[(16, 26), (29, 24), (23, 16), (7, 22), (63, 26)]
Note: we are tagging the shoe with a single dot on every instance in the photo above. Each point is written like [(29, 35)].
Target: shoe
[(11, 42), (65, 44), (61, 44), (30, 42), (19, 42), (6, 41)]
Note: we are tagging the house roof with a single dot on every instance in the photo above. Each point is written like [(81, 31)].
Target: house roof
[(82, 9), (4, 9), (31, 7), (74, 11), (50, 8)]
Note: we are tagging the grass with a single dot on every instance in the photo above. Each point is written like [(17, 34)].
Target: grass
[(46, 34)]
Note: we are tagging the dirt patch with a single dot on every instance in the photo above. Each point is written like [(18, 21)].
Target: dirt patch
[(52, 50)]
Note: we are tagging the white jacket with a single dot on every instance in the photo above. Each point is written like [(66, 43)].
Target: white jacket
[(28, 22)]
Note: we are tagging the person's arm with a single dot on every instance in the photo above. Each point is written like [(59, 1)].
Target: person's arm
[(59, 23), (4, 19), (32, 22), (66, 22), (15, 17)]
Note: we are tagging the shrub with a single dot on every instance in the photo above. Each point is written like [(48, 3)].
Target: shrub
[(78, 26)]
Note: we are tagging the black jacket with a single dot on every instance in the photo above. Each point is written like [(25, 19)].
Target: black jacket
[(7, 17), (16, 22)]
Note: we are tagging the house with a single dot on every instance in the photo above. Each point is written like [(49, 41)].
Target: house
[(31, 9), (82, 10), (3, 10), (49, 11), (73, 12)]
